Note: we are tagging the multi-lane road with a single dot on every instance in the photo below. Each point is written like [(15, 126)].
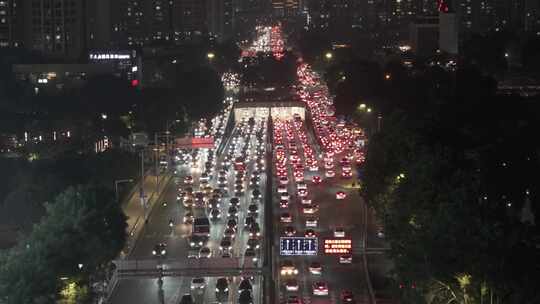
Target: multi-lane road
[(307, 154)]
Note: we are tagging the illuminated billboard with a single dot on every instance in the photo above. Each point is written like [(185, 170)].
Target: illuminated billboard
[(298, 246), (337, 246), (194, 142)]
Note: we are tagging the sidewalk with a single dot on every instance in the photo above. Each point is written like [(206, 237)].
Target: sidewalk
[(135, 211)]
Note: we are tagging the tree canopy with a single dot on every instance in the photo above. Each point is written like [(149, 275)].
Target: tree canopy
[(83, 229), (453, 181)]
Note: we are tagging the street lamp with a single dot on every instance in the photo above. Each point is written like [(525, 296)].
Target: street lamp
[(362, 106), (368, 110), (387, 76), (210, 55), (103, 116), (328, 55)]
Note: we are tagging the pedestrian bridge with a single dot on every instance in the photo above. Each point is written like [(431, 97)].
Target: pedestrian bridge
[(260, 110), (212, 267)]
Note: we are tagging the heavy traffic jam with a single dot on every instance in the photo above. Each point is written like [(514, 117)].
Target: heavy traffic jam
[(221, 196), (223, 208), (306, 166)]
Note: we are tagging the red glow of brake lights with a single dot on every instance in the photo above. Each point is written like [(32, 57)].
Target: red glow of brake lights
[(442, 6), (135, 82)]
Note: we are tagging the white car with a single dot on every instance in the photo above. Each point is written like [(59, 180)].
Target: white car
[(198, 284), (311, 222), (330, 173), (291, 285), (306, 201), (345, 259), (341, 195), (320, 289), (281, 189), (315, 268), (339, 232), (284, 196), (301, 186)]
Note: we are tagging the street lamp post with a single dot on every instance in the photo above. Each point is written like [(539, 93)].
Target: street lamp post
[(120, 181)]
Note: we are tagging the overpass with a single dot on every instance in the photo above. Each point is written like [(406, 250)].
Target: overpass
[(159, 268), (266, 109)]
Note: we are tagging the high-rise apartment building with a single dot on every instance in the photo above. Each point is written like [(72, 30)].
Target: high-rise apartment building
[(286, 8), (221, 18), (10, 23)]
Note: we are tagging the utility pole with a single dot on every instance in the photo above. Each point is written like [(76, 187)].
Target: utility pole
[(156, 147)]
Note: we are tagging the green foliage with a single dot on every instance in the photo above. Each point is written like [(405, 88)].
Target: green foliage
[(199, 92), (83, 226), (468, 169)]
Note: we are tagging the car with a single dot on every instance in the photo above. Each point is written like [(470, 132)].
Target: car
[(205, 252), (188, 180), (204, 178), (310, 208), (316, 179), (286, 217), (235, 201), (284, 196), (330, 173), (245, 285), (197, 241), (293, 300), (251, 253), (283, 203), (339, 232), (287, 268), (347, 296), (315, 268), (215, 214), (254, 243), (302, 192), (222, 289), (245, 297), (226, 254), (160, 250), (291, 285), (328, 165), (289, 231), (232, 212), (188, 217), (282, 189), (310, 233), (345, 259), (341, 195), (346, 174), (225, 244), (312, 222), (248, 221), (187, 299), (301, 186), (306, 201), (254, 230), (231, 223), (198, 284), (256, 194), (229, 232), (253, 209), (320, 288)]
